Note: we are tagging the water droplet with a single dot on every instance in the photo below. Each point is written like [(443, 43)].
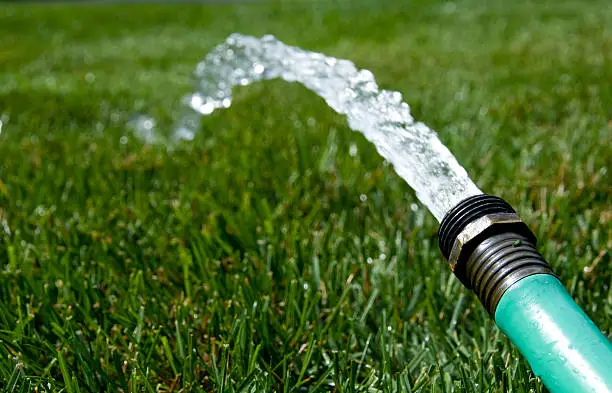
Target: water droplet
[(353, 150), (123, 140), (306, 286), (5, 227), (40, 210), (207, 109), (226, 102), (389, 328), (363, 197), (195, 101), (143, 127), (258, 68), (383, 257), (414, 207), (369, 261), (90, 78)]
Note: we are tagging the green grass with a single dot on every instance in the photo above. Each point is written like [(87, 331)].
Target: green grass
[(246, 261)]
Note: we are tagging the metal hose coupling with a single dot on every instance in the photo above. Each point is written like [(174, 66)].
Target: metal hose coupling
[(489, 247)]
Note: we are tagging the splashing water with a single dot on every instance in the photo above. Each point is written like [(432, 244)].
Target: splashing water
[(413, 149)]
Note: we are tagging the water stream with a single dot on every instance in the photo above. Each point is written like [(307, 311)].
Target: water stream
[(413, 149)]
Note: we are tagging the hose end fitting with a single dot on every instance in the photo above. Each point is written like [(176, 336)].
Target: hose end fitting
[(489, 247)]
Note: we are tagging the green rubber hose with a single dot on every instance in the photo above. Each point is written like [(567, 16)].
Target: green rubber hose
[(562, 345), (493, 253)]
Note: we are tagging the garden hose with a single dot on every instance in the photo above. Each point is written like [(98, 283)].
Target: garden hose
[(493, 253)]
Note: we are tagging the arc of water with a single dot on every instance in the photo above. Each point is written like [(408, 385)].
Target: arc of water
[(414, 150)]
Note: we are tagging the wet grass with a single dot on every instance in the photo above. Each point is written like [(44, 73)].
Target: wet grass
[(263, 256)]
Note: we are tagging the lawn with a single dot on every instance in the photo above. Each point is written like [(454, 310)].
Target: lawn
[(262, 256)]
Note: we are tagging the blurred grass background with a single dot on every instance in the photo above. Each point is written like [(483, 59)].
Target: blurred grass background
[(262, 256)]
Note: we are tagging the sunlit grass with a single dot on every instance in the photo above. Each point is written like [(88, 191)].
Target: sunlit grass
[(263, 256)]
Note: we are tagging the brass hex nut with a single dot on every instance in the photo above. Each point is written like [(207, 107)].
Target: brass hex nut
[(476, 231)]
